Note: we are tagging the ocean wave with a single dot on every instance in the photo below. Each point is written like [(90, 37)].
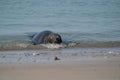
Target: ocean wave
[(26, 46)]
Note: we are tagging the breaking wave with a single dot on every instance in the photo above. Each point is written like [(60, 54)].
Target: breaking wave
[(26, 46)]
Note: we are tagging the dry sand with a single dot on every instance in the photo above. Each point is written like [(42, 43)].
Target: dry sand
[(90, 69)]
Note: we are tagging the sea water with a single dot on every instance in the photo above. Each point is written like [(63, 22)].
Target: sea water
[(83, 22)]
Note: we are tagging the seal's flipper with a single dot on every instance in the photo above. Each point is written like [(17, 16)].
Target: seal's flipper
[(31, 35)]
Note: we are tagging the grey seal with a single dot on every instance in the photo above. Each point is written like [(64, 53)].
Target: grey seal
[(46, 37)]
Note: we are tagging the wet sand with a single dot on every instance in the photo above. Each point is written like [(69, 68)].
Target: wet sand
[(72, 64), (90, 69)]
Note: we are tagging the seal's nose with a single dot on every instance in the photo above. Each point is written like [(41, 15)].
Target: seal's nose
[(57, 39)]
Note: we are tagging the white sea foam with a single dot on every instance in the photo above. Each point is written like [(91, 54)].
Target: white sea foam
[(53, 46), (22, 45)]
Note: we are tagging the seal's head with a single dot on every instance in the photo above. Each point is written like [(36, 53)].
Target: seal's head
[(53, 38)]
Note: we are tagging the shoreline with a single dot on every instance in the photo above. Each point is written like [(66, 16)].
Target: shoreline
[(63, 55), (48, 55)]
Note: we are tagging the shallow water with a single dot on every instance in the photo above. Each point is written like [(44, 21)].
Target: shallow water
[(78, 22), (64, 55)]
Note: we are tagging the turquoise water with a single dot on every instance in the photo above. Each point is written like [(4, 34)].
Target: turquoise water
[(75, 20)]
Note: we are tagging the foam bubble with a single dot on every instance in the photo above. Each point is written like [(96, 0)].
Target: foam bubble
[(35, 54)]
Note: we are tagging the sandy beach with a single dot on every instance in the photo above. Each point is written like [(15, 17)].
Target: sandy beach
[(59, 39), (90, 69)]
